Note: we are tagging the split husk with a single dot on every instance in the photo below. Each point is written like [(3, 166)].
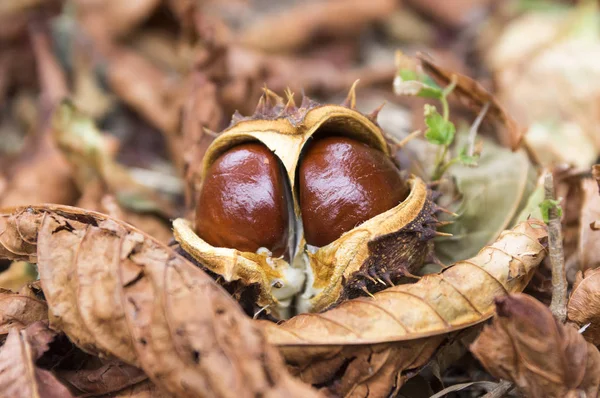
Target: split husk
[(346, 268)]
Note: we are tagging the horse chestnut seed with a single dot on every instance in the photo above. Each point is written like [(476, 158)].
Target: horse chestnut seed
[(243, 202), (343, 183)]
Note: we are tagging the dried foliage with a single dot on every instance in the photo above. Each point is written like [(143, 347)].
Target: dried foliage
[(375, 341), (19, 376), (112, 106), (584, 304), (136, 300), (527, 345), (19, 310)]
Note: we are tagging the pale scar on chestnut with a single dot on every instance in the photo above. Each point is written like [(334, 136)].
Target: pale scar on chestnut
[(313, 211)]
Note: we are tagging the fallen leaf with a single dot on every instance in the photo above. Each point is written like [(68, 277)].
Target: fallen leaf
[(371, 345), (528, 346), (17, 275), (509, 133), (117, 292), (560, 47), (589, 239), (584, 304), (101, 377), (19, 376), (292, 28), (142, 390), (106, 185), (41, 174), (487, 205), (18, 311)]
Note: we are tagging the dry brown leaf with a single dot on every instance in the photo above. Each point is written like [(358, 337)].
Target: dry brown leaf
[(19, 376), (18, 311), (596, 174), (584, 304), (589, 239), (105, 20), (527, 345), (101, 377), (41, 174), (106, 185), (17, 275), (117, 292), (456, 13), (297, 26), (509, 133), (145, 389), (375, 341), (153, 93), (561, 47), (201, 114)]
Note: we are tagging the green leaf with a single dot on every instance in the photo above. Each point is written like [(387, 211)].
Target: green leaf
[(486, 198), (466, 159), (548, 204), (439, 131), (408, 82), (408, 74)]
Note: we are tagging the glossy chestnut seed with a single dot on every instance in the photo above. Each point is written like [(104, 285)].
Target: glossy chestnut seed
[(243, 201), (343, 183)]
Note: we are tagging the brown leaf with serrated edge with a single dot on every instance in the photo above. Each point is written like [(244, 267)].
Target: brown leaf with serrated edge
[(19, 376), (118, 292), (589, 239), (509, 133), (584, 304), (19, 311), (375, 341), (527, 345)]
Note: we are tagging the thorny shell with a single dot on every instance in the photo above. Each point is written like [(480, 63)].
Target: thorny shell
[(365, 259)]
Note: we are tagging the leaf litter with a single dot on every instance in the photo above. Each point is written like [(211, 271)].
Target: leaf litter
[(117, 313)]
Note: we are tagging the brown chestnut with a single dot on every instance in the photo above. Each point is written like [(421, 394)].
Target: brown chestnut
[(243, 202), (343, 183)]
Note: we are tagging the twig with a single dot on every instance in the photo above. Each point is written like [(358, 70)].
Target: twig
[(401, 143), (502, 388), (558, 306), (475, 127)]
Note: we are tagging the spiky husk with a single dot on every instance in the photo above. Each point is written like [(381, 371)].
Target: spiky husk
[(385, 248)]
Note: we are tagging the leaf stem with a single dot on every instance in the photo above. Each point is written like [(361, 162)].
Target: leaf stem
[(445, 168)]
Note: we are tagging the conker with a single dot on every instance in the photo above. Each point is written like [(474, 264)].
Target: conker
[(243, 202), (343, 183)]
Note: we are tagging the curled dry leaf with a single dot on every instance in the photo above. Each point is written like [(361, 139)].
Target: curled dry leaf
[(589, 239), (17, 311), (374, 341), (19, 376), (527, 345), (118, 292), (509, 132), (584, 304)]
